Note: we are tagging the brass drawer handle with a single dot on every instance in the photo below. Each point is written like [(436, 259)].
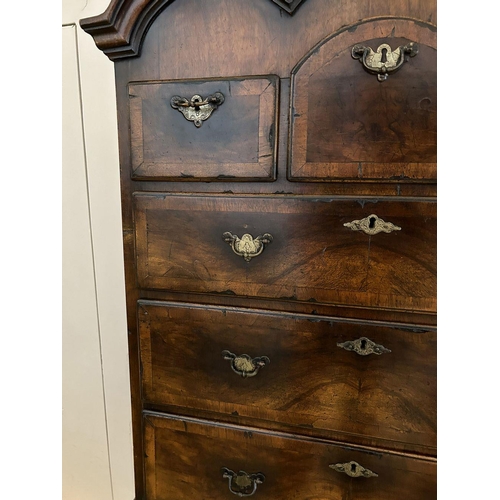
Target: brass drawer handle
[(363, 346), (372, 225), (247, 246), (244, 365), (241, 483), (353, 469), (197, 109), (384, 60)]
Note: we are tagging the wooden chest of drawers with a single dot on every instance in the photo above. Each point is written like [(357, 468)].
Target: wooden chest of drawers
[(278, 170), (183, 458)]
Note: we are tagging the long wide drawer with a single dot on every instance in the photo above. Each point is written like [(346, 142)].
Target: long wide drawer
[(354, 252), (188, 459), (367, 380)]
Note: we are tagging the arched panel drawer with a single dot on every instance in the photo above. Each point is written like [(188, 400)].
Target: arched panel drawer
[(347, 122)]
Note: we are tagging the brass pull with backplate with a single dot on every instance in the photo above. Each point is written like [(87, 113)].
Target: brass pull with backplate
[(384, 60), (363, 346), (244, 365), (353, 469), (197, 109), (247, 246), (241, 483), (372, 225)]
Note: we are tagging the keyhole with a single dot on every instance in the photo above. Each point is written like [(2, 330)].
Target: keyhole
[(196, 106), (353, 468), (384, 56), (372, 220), (363, 344)]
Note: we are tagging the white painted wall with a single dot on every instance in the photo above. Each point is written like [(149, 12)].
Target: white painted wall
[(97, 429)]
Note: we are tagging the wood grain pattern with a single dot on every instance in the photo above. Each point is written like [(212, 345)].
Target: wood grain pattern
[(347, 125), (119, 31), (313, 257), (309, 382), (214, 39), (281, 185), (263, 40), (237, 142), (243, 38), (420, 320), (189, 454)]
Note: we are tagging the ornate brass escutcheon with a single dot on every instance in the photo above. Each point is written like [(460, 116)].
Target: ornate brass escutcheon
[(241, 483), (363, 346), (384, 60), (247, 246), (197, 109), (372, 225), (353, 469), (244, 365)]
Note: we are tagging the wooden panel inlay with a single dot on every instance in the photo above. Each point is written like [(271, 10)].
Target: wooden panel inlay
[(308, 378), (313, 256), (190, 457), (237, 141), (120, 31), (347, 125)]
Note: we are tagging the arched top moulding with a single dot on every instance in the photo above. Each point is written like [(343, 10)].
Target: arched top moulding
[(120, 29)]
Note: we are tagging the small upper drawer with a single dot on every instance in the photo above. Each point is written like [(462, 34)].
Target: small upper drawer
[(187, 458), (316, 249), (370, 380), (350, 121), (204, 129)]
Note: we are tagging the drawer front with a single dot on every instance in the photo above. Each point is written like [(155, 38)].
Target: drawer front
[(188, 459), (293, 369), (347, 124), (296, 248), (232, 137)]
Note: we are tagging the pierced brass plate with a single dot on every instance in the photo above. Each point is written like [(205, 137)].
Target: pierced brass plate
[(244, 365), (247, 246), (372, 225), (241, 483), (363, 346), (384, 60), (197, 109), (353, 469)]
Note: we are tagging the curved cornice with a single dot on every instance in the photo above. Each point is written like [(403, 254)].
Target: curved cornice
[(120, 29)]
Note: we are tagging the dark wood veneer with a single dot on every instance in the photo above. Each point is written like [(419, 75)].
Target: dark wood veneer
[(313, 256), (184, 458), (309, 382), (237, 142), (347, 125), (209, 40), (119, 31)]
